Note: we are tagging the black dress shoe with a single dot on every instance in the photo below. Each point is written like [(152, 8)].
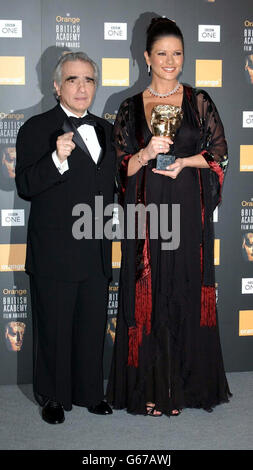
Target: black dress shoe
[(208, 409), (53, 413), (101, 409)]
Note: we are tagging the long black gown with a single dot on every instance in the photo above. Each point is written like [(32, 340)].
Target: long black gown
[(180, 362)]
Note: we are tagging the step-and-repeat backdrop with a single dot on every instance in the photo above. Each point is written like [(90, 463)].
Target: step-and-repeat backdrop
[(218, 57)]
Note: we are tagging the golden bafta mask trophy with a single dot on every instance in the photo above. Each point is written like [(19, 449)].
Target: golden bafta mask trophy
[(165, 121)]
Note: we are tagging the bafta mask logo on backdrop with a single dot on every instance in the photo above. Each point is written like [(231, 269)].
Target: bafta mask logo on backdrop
[(249, 68), (115, 31), (8, 158), (247, 246), (208, 73), (111, 328), (246, 323), (14, 335), (115, 72), (10, 28), (246, 157), (12, 70)]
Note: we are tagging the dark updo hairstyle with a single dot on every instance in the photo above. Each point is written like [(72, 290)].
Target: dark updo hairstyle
[(160, 27)]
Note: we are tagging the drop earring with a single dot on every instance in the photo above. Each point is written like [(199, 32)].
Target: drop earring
[(149, 69)]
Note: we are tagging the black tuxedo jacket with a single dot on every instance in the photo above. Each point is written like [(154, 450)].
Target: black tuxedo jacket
[(52, 250)]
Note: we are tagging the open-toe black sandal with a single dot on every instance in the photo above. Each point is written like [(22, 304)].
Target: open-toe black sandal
[(175, 412), (151, 411)]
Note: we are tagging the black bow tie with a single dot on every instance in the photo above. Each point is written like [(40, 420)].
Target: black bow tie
[(83, 120)]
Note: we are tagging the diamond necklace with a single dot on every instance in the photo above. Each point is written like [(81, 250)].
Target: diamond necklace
[(163, 95)]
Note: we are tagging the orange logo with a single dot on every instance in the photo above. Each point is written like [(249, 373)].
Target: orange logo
[(246, 157), (116, 254), (12, 257), (216, 252), (209, 73), (246, 323), (115, 72), (12, 70)]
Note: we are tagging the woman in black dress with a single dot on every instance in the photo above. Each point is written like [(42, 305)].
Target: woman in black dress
[(167, 353)]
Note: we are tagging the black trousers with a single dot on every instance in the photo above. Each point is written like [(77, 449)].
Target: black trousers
[(69, 320)]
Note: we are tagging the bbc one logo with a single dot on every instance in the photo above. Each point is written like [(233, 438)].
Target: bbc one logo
[(12, 217), (209, 33), (10, 28), (247, 285), (115, 31), (247, 119)]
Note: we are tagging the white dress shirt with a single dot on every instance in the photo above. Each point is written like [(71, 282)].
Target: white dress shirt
[(88, 135)]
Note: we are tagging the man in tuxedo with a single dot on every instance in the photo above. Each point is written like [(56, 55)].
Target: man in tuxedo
[(65, 160)]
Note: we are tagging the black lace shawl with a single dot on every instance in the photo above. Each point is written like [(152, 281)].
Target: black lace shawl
[(128, 140)]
